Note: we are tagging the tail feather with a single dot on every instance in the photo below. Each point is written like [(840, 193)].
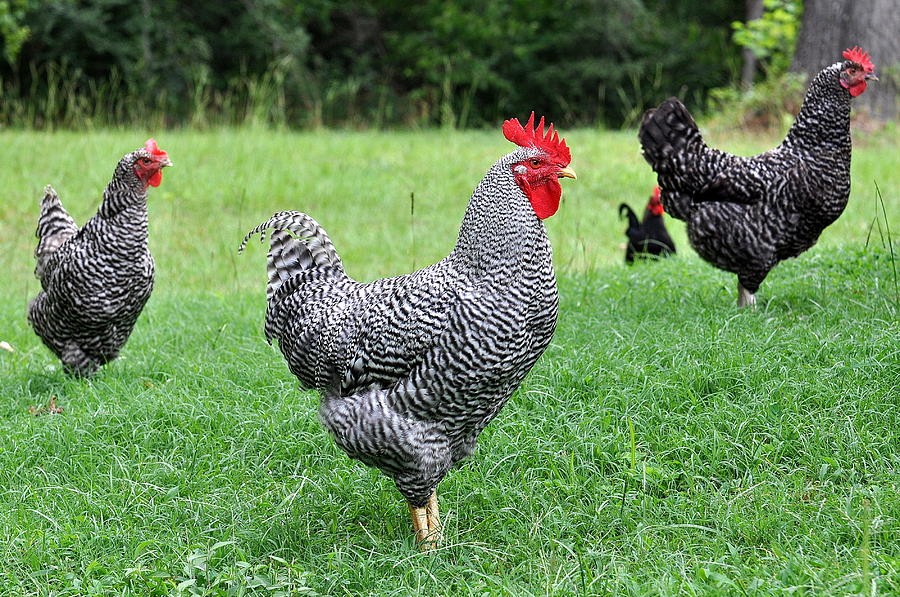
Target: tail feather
[(672, 144), (666, 133), (633, 221), (55, 227), (290, 255)]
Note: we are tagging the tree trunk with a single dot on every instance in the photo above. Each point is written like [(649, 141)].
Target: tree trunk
[(754, 11), (830, 26)]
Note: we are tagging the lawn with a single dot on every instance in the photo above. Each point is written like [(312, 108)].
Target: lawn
[(666, 443)]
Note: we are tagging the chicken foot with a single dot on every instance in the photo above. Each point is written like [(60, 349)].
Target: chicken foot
[(427, 524), (745, 297)]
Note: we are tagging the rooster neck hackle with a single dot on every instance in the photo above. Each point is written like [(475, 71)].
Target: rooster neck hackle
[(500, 231), (824, 117), (125, 190), (121, 222)]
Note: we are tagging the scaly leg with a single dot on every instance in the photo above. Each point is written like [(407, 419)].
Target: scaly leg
[(427, 524), (745, 297), (434, 519)]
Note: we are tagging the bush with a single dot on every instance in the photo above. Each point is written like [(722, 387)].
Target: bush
[(362, 63)]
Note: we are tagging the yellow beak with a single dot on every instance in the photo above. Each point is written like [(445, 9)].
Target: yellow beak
[(566, 173)]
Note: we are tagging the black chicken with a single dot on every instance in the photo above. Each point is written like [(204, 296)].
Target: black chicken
[(647, 237)]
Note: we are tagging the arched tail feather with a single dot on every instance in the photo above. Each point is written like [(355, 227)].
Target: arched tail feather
[(290, 255), (632, 217)]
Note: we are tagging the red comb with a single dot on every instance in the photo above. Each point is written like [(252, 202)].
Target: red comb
[(154, 149), (860, 57), (527, 136), (656, 193)]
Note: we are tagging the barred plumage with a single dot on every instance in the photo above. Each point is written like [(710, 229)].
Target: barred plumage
[(95, 280), (412, 368), (55, 226), (746, 214)]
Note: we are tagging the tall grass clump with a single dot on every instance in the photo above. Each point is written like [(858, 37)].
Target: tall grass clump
[(60, 96)]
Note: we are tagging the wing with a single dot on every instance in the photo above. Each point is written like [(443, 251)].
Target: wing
[(344, 337), (751, 180), (403, 322), (737, 184)]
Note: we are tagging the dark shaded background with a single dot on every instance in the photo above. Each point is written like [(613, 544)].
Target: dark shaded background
[(364, 62)]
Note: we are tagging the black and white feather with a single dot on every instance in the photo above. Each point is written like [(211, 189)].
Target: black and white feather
[(412, 368), (746, 214), (96, 279)]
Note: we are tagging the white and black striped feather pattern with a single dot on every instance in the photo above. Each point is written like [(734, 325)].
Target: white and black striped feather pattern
[(96, 279), (412, 368)]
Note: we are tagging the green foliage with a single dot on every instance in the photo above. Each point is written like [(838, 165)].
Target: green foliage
[(770, 105), (362, 63), (12, 31), (773, 37)]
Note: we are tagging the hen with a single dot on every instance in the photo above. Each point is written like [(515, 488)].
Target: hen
[(412, 368), (647, 237), (746, 214), (96, 280)]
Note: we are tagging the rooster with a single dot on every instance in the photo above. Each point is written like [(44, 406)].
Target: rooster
[(412, 368), (746, 214), (647, 237), (96, 280)]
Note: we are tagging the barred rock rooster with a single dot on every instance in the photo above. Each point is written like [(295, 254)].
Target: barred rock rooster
[(647, 237), (96, 280), (746, 214), (412, 368)]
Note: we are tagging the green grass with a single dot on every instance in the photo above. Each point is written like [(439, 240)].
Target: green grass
[(665, 444)]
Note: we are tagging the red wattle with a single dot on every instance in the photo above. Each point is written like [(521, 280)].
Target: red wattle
[(857, 89), (545, 198), (155, 179)]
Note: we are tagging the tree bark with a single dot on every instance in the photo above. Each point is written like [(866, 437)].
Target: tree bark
[(754, 11), (830, 26)]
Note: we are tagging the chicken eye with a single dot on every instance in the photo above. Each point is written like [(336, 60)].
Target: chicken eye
[(145, 161), (535, 162)]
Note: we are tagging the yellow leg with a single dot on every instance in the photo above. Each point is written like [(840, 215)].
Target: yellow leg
[(427, 524), (434, 519)]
